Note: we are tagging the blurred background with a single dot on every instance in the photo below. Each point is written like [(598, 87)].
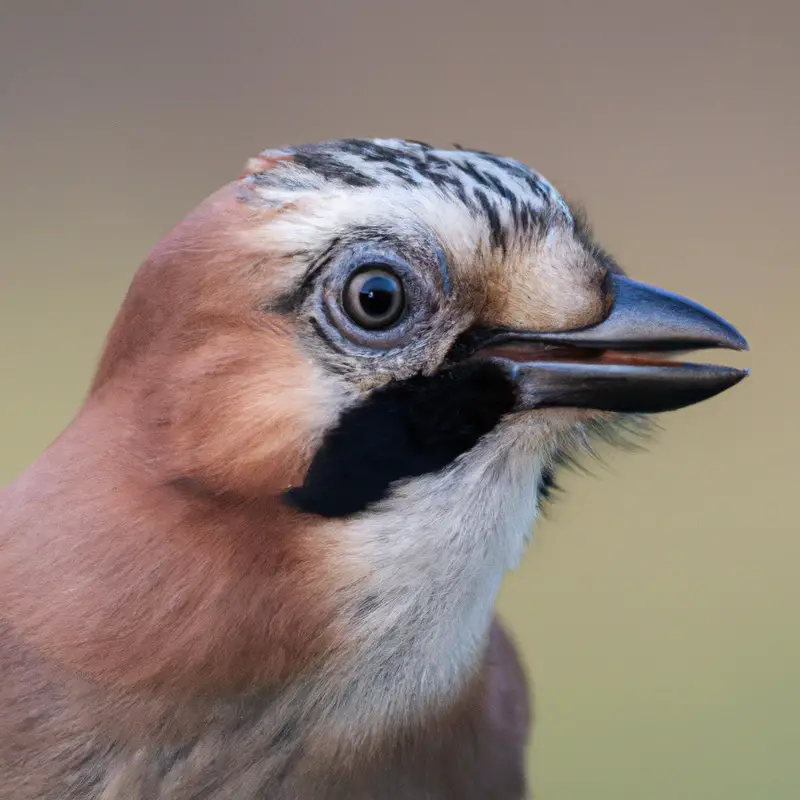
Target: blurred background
[(657, 609)]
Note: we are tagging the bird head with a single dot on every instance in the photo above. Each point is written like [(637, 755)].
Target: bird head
[(363, 358), (354, 314)]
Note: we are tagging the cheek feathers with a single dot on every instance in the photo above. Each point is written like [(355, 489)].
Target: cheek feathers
[(245, 410)]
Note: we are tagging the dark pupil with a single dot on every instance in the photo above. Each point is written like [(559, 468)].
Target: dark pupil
[(377, 295)]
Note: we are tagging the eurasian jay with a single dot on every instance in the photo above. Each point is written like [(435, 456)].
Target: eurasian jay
[(262, 561)]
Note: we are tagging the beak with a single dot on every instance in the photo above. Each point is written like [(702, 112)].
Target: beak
[(611, 366)]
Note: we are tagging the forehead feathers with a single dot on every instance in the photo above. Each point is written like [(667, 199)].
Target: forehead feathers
[(508, 198)]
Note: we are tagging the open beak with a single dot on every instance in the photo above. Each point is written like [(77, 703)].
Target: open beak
[(615, 365)]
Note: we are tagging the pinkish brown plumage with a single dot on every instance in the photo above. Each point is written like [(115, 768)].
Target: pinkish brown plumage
[(262, 561)]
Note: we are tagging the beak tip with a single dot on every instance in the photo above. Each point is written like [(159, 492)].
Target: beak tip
[(735, 341), (734, 378)]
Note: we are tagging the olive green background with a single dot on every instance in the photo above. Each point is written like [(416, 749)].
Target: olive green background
[(658, 606)]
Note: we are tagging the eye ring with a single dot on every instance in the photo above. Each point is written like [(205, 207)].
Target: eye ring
[(374, 297)]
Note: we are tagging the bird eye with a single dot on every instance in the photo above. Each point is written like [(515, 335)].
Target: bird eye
[(374, 297)]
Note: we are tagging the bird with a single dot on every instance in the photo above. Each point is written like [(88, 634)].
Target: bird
[(263, 558)]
